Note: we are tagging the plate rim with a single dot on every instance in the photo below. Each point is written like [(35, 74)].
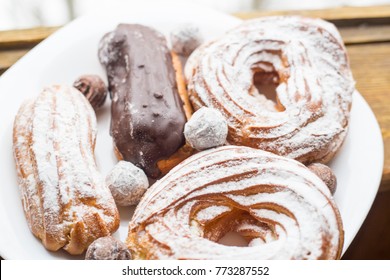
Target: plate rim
[(90, 16)]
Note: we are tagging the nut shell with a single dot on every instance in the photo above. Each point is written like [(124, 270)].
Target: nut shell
[(185, 39), (326, 174), (108, 248), (93, 88), (127, 183), (206, 129)]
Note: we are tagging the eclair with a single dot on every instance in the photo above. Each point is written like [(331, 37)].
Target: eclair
[(64, 197), (147, 115)]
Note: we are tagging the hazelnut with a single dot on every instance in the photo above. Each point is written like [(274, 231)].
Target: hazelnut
[(206, 129), (107, 248), (93, 88), (127, 183), (185, 39), (326, 174)]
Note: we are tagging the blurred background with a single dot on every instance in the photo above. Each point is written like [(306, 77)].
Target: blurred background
[(30, 13)]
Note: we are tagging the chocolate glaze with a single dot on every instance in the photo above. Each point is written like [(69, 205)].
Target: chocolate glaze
[(147, 115)]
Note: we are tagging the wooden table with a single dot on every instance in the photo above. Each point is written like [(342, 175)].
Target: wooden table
[(366, 33)]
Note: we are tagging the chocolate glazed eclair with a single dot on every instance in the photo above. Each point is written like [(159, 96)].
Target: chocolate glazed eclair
[(147, 117)]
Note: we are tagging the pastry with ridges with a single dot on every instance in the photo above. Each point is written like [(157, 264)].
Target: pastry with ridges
[(65, 200), (278, 205), (307, 63)]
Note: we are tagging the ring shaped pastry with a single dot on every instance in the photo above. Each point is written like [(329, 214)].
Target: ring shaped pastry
[(278, 205), (304, 59)]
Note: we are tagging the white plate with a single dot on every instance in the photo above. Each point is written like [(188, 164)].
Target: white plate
[(72, 51)]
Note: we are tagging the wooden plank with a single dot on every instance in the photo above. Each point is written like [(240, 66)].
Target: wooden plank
[(351, 35), (24, 38), (340, 16), (8, 58), (30, 37), (365, 34), (370, 65), (373, 239)]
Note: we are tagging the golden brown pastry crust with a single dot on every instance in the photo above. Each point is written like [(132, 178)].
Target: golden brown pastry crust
[(65, 200), (278, 205), (181, 85), (307, 64), (185, 151)]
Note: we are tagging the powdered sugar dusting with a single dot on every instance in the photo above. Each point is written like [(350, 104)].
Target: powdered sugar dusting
[(276, 202), (315, 85), (63, 185), (185, 39), (211, 212), (206, 129), (127, 183)]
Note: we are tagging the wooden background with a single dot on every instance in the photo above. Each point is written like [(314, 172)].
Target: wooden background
[(366, 33)]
